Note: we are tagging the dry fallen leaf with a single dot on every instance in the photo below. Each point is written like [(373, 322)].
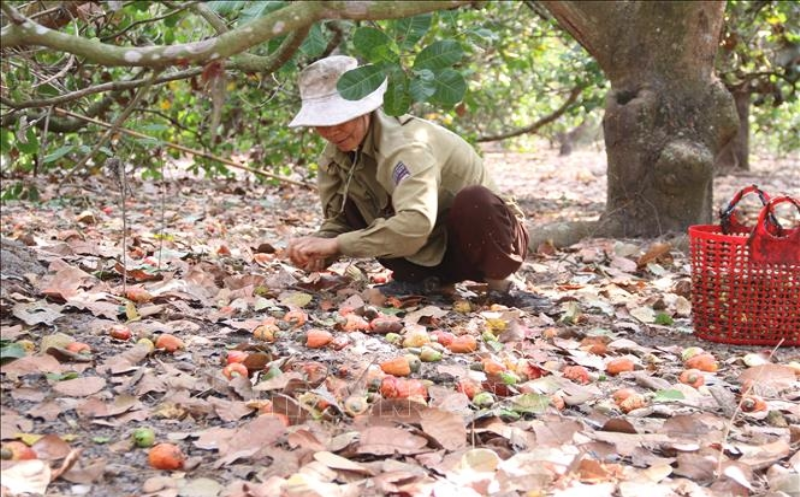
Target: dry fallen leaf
[(445, 427), (383, 441), (51, 447), (655, 252), (774, 376), (80, 387), (65, 283), (335, 462), (12, 422), (37, 313), (32, 476), (86, 473), (213, 292), (480, 461), (295, 299), (36, 364)]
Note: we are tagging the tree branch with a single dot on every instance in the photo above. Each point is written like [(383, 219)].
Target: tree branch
[(256, 63), (532, 128), (537, 9), (211, 17), (180, 8), (57, 125), (111, 86), (198, 153), (56, 17), (579, 19), (271, 63), (294, 17), (336, 39), (12, 13), (245, 62)]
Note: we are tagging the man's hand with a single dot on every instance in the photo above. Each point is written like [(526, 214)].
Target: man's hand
[(309, 252)]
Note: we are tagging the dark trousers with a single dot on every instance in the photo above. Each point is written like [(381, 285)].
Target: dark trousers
[(484, 240)]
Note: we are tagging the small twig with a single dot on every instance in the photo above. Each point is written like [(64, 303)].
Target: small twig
[(532, 128), (43, 147), (46, 12), (117, 169), (104, 87), (738, 409), (12, 13), (57, 75), (123, 189), (163, 216)]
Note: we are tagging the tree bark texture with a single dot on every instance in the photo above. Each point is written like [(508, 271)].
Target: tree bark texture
[(666, 116), (735, 156), (230, 44)]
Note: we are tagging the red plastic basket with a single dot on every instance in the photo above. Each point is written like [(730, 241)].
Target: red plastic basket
[(746, 282)]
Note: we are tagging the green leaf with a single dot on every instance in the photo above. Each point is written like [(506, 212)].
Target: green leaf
[(450, 87), (10, 352), (664, 319), (360, 82), (439, 55), (57, 154), (385, 54), (33, 194), (5, 139), (397, 100), (154, 128), (410, 30), (141, 5), (392, 311), (315, 43), (225, 6), (49, 90), (149, 142), (32, 145), (172, 20), (421, 90), (668, 396), (69, 375), (425, 75), (374, 46), (12, 192), (484, 34), (259, 8)]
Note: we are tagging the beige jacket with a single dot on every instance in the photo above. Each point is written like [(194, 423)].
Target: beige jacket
[(403, 180)]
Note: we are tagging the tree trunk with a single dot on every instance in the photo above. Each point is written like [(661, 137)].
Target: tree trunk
[(735, 156), (667, 115)]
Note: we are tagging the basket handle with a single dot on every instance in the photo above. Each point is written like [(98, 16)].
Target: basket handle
[(770, 242), (729, 222)]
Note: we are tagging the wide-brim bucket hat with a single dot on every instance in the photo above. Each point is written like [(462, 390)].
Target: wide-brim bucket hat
[(323, 105)]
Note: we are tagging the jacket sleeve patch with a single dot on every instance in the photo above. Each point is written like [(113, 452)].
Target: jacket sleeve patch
[(399, 172)]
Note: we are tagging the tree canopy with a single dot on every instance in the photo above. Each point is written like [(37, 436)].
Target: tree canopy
[(220, 76)]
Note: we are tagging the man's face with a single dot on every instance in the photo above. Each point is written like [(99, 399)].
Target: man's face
[(347, 136)]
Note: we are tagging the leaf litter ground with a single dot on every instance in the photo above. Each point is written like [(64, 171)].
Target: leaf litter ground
[(531, 411)]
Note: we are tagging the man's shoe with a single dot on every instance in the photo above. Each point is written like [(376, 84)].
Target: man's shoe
[(402, 288), (521, 299)]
